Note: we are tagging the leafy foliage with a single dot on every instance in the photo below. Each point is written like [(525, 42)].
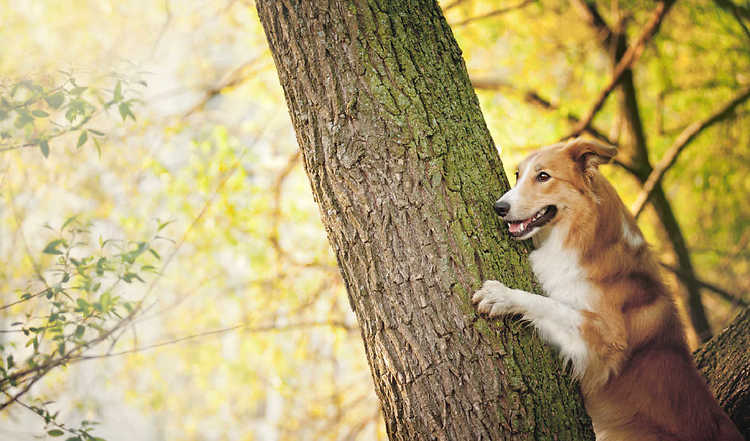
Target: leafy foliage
[(33, 114), (75, 309)]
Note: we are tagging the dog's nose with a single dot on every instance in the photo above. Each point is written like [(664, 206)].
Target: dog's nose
[(501, 208)]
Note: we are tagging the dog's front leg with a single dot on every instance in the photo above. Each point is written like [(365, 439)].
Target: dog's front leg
[(557, 323)]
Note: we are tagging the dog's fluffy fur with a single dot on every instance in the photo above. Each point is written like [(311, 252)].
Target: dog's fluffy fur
[(607, 309)]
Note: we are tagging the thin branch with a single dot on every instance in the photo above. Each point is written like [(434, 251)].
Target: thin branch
[(15, 398), (32, 296), (278, 184), (738, 12), (164, 27), (596, 20), (257, 329), (68, 359), (67, 130), (452, 5), (533, 97), (726, 295), (494, 13), (35, 373), (682, 141), (230, 79), (35, 412), (628, 59)]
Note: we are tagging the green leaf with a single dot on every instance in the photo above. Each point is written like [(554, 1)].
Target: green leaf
[(78, 90), (68, 221), (55, 100), (55, 432), (129, 276), (96, 132), (118, 92), (44, 147), (124, 109), (79, 331), (100, 266), (163, 225), (23, 119), (83, 305), (39, 113), (51, 247), (82, 139)]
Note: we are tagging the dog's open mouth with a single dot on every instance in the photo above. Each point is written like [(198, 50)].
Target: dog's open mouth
[(520, 228)]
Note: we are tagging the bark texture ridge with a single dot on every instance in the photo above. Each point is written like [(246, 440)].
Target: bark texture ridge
[(725, 362), (404, 171)]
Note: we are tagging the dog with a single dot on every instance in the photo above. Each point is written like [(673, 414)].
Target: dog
[(606, 308)]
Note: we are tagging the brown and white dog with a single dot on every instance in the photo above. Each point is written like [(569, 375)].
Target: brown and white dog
[(607, 309)]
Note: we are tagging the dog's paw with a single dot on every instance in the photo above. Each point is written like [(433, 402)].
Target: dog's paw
[(494, 299)]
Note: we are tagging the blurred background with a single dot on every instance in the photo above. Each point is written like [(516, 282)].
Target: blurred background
[(164, 274)]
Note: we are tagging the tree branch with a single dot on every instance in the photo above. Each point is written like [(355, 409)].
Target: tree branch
[(615, 43), (739, 13), (452, 5), (682, 141), (628, 59), (494, 13), (257, 329), (232, 78), (533, 97), (596, 20), (726, 295)]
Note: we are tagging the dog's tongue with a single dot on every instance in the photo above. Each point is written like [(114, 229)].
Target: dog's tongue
[(517, 227)]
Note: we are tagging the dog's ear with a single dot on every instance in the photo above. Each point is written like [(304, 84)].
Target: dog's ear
[(589, 154)]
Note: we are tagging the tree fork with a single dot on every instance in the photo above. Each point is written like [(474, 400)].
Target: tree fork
[(404, 171)]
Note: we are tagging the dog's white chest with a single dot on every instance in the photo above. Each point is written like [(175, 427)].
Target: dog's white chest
[(561, 275)]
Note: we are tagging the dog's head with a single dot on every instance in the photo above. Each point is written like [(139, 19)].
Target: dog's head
[(551, 185)]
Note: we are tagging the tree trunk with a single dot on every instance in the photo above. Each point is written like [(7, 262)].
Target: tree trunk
[(404, 171), (725, 362)]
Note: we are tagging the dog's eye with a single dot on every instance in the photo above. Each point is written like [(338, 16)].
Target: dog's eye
[(542, 177), (516, 175)]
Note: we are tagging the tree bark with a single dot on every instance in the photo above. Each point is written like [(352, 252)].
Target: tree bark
[(725, 362), (404, 171)]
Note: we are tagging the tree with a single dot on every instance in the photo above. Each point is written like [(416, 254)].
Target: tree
[(250, 322), (724, 361), (405, 172)]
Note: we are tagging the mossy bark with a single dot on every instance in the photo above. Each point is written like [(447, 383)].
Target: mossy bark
[(725, 362), (404, 170)]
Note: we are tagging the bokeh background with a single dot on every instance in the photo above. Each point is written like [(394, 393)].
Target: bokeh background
[(243, 330)]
